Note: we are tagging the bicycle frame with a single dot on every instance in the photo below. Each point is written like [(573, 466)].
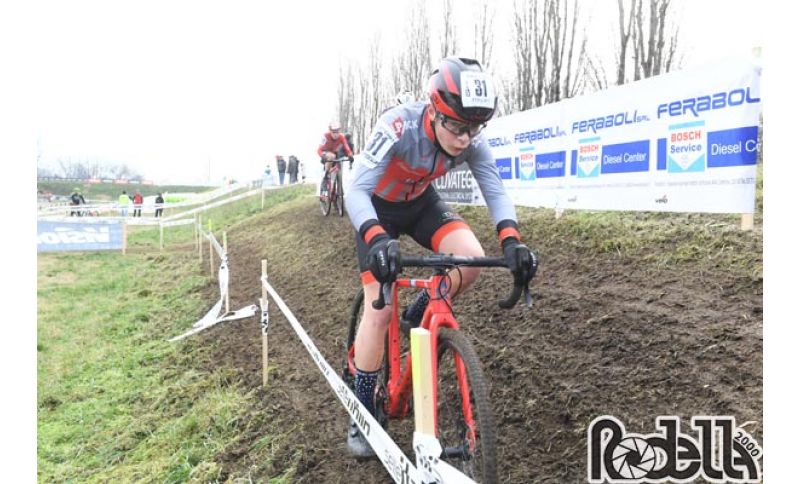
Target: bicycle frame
[(437, 315)]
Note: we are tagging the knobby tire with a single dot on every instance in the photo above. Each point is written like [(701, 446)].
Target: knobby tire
[(324, 201), (481, 464)]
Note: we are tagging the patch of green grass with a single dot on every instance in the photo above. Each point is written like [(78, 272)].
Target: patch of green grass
[(116, 401), (222, 218)]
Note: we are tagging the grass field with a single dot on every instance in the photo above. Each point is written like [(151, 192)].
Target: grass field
[(116, 401)]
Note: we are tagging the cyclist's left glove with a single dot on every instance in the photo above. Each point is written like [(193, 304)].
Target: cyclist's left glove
[(520, 260)]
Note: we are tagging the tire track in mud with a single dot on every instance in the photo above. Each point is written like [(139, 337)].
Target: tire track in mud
[(609, 334)]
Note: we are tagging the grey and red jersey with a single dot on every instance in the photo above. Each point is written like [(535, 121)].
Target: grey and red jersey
[(401, 159)]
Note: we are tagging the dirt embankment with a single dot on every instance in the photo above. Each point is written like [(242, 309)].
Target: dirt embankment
[(614, 331)]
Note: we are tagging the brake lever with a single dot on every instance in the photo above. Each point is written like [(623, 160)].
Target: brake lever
[(384, 296)]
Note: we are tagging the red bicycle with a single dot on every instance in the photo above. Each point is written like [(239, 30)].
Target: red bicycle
[(331, 191), (463, 415)]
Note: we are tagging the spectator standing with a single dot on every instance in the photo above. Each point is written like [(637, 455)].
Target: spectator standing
[(292, 169), (137, 204), (281, 168), (76, 199), (124, 201), (159, 205)]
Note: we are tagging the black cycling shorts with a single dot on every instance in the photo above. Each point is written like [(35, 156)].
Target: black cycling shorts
[(426, 219)]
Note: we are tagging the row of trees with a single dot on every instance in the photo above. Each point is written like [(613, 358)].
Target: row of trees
[(552, 57), (89, 169)]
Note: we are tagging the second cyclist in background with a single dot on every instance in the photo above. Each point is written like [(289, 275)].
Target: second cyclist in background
[(332, 142)]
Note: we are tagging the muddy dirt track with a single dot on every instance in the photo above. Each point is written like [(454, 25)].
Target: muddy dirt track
[(612, 332)]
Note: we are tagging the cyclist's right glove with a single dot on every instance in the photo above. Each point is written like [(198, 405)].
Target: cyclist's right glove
[(382, 253), (519, 259)]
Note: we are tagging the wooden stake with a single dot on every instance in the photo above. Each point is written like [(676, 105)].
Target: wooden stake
[(747, 221), (161, 236), (200, 237), (262, 198), (227, 291), (264, 328), (210, 250), (422, 381), (559, 212)]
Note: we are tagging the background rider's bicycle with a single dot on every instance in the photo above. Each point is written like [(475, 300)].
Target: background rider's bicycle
[(331, 191), (463, 415)]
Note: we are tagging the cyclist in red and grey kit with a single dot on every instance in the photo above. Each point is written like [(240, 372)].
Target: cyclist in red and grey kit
[(332, 143), (391, 194)]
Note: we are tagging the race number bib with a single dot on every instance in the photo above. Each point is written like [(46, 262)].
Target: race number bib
[(378, 145), (477, 90)]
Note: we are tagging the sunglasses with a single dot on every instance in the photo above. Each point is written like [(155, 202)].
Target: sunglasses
[(458, 128)]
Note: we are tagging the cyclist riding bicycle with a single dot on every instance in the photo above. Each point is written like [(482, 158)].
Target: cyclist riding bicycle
[(391, 193), (332, 142)]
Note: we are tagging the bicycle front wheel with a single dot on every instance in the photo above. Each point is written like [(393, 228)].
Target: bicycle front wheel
[(339, 195), (324, 197), (464, 416)]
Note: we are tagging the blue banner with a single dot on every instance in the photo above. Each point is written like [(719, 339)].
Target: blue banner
[(79, 235)]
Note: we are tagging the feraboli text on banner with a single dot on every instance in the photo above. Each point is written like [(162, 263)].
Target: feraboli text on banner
[(682, 142)]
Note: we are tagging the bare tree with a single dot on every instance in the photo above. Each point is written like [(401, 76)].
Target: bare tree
[(654, 49), (563, 82), (484, 32), (415, 63), (541, 40), (521, 92), (376, 86), (594, 74), (346, 96), (654, 52), (362, 125), (624, 37), (449, 44)]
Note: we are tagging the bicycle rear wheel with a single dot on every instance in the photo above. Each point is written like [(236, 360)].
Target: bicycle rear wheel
[(324, 197), (465, 423)]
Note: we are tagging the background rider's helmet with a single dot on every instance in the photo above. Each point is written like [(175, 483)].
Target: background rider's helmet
[(404, 97), (460, 89)]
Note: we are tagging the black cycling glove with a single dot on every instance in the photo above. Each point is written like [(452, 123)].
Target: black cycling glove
[(520, 260), (381, 257)]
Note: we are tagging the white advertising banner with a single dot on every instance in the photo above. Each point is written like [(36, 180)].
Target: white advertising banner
[(680, 142)]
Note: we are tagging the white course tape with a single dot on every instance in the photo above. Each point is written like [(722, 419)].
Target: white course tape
[(177, 222), (211, 319), (399, 466), (217, 246), (222, 276)]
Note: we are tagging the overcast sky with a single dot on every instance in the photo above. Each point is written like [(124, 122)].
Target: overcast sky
[(183, 90)]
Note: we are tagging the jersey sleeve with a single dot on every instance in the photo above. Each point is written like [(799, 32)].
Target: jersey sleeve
[(370, 165), (323, 145), (484, 170)]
